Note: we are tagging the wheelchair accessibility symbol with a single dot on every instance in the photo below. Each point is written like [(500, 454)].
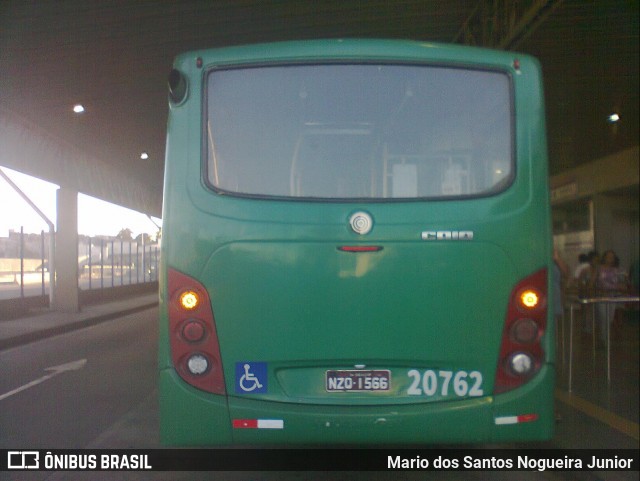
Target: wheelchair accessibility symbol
[(251, 377)]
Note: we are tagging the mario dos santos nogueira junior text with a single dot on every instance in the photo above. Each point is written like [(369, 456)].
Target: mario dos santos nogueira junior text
[(515, 463)]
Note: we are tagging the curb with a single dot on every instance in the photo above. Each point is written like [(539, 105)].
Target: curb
[(72, 326)]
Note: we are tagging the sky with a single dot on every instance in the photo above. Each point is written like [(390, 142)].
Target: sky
[(95, 217)]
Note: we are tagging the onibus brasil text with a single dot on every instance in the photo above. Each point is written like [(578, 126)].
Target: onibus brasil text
[(94, 461)]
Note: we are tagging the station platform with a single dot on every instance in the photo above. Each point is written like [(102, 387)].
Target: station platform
[(47, 323), (597, 398)]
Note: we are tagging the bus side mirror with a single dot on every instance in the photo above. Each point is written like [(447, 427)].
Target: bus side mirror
[(177, 86)]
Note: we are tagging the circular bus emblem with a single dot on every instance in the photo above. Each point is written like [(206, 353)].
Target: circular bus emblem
[(361, 223)]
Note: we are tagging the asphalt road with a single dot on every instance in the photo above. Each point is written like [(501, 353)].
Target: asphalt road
[(96, 388), (73, 407)]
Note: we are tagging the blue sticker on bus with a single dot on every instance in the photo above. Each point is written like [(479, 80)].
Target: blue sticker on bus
[(251, 377)]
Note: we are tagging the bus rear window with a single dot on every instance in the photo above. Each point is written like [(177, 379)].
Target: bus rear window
[(362, 131)]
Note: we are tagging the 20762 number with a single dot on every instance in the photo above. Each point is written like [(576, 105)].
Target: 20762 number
[(460, 383)]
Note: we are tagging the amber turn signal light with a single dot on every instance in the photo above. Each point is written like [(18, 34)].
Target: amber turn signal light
[(189, 300), (529, 299)]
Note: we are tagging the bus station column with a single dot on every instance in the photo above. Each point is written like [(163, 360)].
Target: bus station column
[(66, 263)]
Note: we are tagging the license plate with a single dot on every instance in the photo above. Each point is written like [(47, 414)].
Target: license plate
[(352, 380)]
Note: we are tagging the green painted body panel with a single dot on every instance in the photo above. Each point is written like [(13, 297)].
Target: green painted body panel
[(195, 421), (283, 294), (306, 307)]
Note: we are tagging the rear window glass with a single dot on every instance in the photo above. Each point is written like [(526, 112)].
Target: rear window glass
[(341, 131)]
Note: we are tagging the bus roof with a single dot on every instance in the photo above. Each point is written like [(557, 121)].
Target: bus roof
[(353, 49)]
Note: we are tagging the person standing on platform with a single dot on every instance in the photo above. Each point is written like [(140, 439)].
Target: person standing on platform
[(583, 263), (587, 288), (587, 279), (608, 284)]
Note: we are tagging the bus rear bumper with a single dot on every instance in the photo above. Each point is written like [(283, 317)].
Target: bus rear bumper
[(190, 417)]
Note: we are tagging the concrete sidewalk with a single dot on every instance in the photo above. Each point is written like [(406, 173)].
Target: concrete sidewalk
[(23, 330)]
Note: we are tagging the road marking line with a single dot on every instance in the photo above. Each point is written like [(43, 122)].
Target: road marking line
[(69, 366), (618, 423)]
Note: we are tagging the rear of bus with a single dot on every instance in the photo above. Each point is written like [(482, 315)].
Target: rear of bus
[(356, 246)]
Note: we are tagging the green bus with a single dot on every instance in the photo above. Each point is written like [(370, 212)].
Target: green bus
[(356, 246)]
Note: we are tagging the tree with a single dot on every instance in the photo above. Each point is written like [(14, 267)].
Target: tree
[(143, 239), (125, 234)]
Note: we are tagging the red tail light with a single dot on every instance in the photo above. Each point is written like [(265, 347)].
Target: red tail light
[(521, 353), (195, 350), (360, 248)]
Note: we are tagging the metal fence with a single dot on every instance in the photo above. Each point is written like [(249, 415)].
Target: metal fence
[(103, 263), (115, 262), (23, 261), (575, 303)]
